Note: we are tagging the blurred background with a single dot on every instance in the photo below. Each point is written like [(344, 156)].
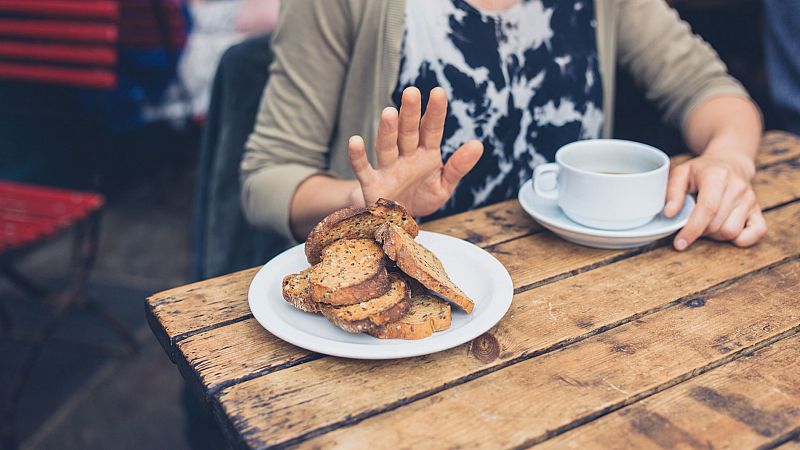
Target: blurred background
[(114, 103)]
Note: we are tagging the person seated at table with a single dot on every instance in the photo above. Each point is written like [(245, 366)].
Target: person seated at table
[(523, 78)]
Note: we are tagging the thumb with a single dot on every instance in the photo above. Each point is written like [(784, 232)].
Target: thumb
[(676, 189), (460, 163)]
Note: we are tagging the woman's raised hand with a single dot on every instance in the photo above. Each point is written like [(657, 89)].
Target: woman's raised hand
[(410, 169)]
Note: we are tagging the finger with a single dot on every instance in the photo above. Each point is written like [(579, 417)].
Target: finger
[(734, 223), (676, 189), (357, 151), (460, 163), (735, 196), (755, 229), (357, 197), (708, 200), (386, 142), (432, 126), (408, 133)]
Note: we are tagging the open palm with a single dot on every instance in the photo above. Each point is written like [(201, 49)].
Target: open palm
[(410, 169)]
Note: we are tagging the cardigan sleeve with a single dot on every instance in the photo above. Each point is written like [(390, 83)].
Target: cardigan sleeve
[(676, 68), (297, 115)]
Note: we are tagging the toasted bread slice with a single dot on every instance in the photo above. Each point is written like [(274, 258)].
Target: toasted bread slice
[(427, 315), (351, 271), (297, 291), (356, 223), (417, 289), (369, 315), (419, 263)]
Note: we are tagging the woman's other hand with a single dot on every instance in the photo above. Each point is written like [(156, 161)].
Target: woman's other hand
[(727, 209), (409, 168)]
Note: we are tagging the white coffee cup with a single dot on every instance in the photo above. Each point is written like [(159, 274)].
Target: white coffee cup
[(608, 184)]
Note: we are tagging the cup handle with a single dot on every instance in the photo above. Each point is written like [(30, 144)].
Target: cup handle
[(538, 172)]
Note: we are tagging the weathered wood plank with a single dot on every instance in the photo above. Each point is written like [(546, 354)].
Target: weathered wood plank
[(246, 350), (323, 393), (744, 404), (793, 443), (777, 146), (506, 220), (534, 399), (487, 226), (199, 306), (239, 351), (778, 182), (775, 185), (182, 311)]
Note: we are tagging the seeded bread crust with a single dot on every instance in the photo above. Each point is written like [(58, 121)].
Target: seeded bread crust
[(297, 291), (427, 315), (370, 315), (394, 213), (419, 263), (351, 271), (356, 223)]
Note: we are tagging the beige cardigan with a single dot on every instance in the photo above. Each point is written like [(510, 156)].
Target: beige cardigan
[(336, 64)]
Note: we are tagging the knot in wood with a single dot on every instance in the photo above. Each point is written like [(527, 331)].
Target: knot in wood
[(485, 348), (696, 302)]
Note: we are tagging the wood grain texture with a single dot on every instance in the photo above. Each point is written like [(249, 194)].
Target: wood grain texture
[(744, 404), (778, 146), (285, 404), (534, 399), (243, 350), (221, 346), (183, 311), (793, 443), (487, 226), (223, 355), (506, 220), (777, 184), (197, 306)]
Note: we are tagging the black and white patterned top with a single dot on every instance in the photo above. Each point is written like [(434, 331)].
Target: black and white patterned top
[(524, 81)]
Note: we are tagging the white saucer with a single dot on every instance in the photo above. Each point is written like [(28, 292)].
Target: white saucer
[(550, 216), (477, 272)]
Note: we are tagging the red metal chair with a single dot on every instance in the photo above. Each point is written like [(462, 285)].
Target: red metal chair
[(29, 216), (64, 42), (76, 42), (71, 43)]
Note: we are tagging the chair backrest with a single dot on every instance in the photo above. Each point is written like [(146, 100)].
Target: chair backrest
[(76, 42), (63, 42), (151, 24), (222, 240)]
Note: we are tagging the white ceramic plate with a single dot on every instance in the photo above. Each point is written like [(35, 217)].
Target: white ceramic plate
[(550, 216), (475, 271)]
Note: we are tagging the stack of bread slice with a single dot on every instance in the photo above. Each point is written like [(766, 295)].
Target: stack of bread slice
[(369, 275)]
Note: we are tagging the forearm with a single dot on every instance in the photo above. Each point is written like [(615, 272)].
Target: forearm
[(316, 197), (725, 127)]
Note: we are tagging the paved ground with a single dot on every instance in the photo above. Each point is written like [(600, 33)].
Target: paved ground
[(84, 398)]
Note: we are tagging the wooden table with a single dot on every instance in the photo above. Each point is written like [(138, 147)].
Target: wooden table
[(613, 348)]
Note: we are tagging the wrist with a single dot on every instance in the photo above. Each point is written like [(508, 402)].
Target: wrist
[(742, 160)]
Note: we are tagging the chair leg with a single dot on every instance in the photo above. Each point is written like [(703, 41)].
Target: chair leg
[(84, 253), (20, 381), (85, 250), (117, 325), (23, 283), (5, 321), (8, 438)]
